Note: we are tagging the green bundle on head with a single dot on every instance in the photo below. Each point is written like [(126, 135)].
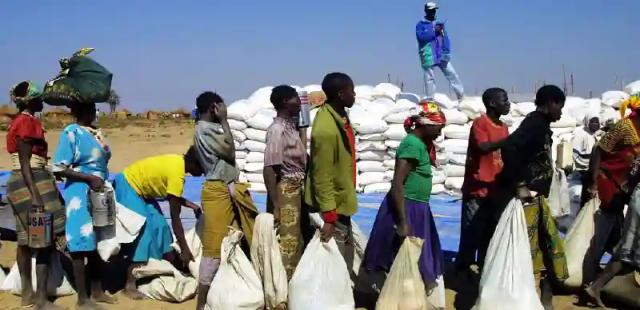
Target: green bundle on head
[(81, 80)]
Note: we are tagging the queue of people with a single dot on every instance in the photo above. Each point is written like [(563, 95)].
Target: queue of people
[(500, 167)]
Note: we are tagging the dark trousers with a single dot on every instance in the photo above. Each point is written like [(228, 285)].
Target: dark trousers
[(478, 223)]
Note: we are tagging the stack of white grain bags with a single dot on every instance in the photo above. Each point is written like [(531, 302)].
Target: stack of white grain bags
[(378, 116)]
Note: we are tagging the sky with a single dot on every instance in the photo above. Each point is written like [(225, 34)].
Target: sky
[(164, 53)]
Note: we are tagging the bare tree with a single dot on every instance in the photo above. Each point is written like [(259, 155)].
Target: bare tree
[(113, 101)]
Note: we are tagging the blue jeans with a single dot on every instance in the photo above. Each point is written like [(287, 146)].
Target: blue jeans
[(451, 75)]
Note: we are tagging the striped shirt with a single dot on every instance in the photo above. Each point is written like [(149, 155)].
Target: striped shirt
[(285, 147)]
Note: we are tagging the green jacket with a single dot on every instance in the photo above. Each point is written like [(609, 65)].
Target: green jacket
[(329, 185)]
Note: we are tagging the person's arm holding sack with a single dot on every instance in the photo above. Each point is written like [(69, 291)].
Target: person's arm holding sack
[(175, 187)]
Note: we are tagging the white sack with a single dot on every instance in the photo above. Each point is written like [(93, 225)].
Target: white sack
[(454, 183), (370, 126), (168, 285), (410, 97), (404, 105), (258, 187), (373, 155), (523, 108), (457, 146), (398, 117), (456, 131), (321, 280), (260, 121), (472, 107), (256, 134), (127, 227), (395, 132), (404, 287), (312, 87), (455, 117), (242, 110), (236, 285), (578, 241), (369, 178), (364, 92), (393, 144), (387, 90), (377, 188), (253, 146), (267, 261), (372, 137), (238, 135), (237, 125), (254, 167), (438, 189), (565, 121), (254, 157), (614, 98), (240, 163), (390, 163), (192, 236), (57, 284), (454, 171), (457, 159), (254, 177), (370, 146), (632, 88), (507, 281), (444, 102), (370, 166), (559, 201), (439, 176), (241, 155)]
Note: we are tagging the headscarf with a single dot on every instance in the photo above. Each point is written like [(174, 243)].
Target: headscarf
[(588, 117), (33, 91), (633, 102), (431, 114)]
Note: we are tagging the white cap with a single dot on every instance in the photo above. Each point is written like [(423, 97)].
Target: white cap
[(431, 6)]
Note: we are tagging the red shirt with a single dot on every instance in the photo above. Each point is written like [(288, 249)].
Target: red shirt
[(352, 142), (481, 169), (26, 126)]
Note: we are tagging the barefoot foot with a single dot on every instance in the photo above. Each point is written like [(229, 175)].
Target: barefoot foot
[(103, 297), (133, 293), (28, 298), (47, 305), (595, 295), (90, 305)]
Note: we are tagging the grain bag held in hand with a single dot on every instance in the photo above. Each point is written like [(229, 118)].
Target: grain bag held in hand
[(236, 285), (578, 241), (267, 261), (507, 281), (321, 280), (559, 200), (404, 287)]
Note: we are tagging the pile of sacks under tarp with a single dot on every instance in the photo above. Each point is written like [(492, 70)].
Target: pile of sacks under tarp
[(377, 118)]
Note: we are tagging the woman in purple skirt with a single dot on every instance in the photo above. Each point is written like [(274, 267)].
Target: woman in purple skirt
[(405, 211)]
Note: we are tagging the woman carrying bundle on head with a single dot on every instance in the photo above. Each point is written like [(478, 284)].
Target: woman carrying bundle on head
[(31, 190), (81, 158), (405, 212)]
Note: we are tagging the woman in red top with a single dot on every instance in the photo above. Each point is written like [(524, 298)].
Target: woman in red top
[(31, 187)]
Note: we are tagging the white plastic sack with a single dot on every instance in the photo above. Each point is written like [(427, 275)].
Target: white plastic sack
[(439, 176), (456, 131), (454, 171), (370, 166), (254, 157), (3, 276), (254, 167), (57, 284), (260, 121), (438, 189), (254, 177), (404, 105), (236, 285), (373, 155), (386, 90), (238, 135), (578, 241), (472, 107), (559, 200), (369, 178), (237, 125), (565, 121), (398, 117), (523, 108), (256, 134), (372, 137), (415, 99), (507, 281), (168, 283), (444, 102), (404, 287), (614, 98), (370, 146), (395, 132), (127, 227), (240, 163), (377, 188), (457, 159), (242, 110), (457, 146), (632, 88), (454, 183), (192, 236), (370, 126), (241, 155), (364, 92), (267, 261), (390, 163), (321, 280), (455, 117), (393, 144), (253, 146)]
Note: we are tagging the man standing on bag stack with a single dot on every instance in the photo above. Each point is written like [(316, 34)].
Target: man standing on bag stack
[(435, 51), (330, 184)]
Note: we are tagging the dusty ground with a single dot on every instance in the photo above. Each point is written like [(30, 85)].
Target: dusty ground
[(140, 139)]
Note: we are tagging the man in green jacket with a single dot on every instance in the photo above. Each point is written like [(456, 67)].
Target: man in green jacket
[(330, 185)]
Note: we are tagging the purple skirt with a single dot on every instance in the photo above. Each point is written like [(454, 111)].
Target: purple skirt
[(384, 243)]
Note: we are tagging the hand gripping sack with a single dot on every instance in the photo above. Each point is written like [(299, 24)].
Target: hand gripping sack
[(578, 241), (404, 287), (267, 261), (236, 285), (321, 280), (559, 200), (81, 80), (507, 280)]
